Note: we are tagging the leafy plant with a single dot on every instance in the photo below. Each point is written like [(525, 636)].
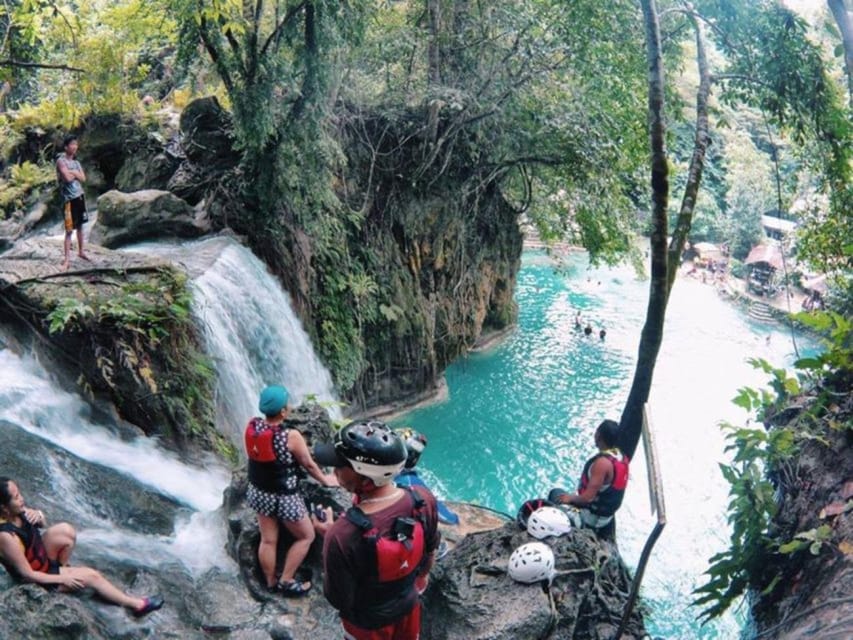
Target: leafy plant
[(751, 509), (813, 540), (145, 331), (748, 562)]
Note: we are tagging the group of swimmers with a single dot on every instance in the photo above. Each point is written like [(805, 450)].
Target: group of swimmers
[(587, 330)]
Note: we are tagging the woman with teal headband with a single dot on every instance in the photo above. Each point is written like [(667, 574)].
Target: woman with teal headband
[(278, 458)]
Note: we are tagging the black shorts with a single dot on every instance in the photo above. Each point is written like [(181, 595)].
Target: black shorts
[(75, 213), (52, 569)]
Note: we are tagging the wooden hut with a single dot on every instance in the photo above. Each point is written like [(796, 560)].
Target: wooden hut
[(763, 263)]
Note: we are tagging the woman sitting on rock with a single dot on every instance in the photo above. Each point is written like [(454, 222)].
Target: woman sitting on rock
[(278, 458), (29, 556)]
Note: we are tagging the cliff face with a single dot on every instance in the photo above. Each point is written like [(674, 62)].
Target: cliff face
[(418, 262), (811, 597)]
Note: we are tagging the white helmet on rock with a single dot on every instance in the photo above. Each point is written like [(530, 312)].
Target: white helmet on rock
[(532, 562), (548, 521)]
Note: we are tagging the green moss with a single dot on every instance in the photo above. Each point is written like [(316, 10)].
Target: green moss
[(144, 338)]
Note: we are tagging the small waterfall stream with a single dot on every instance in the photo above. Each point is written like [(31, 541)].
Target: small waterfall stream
[(254, 338), (135, 503), (66, 444)]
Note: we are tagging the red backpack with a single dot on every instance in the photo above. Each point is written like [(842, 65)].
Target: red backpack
[(400, 552)]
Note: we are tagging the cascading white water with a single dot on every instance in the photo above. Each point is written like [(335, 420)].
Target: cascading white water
[(254, 338), (30, 401)]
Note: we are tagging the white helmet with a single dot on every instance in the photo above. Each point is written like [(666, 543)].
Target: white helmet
[(548, 521), (532, 562)]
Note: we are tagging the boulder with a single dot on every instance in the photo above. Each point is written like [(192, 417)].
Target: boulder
[(471, 596), (125, 218), (150, 163), (207, 140), (206, 130)]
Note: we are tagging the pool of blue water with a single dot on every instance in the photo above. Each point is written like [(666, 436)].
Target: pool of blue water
[(520, 417)]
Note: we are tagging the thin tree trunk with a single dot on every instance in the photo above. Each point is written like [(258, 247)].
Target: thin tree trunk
[(697, 161), (434, 46), (632, 415), (311, 79), (664, 262), (844, 18)]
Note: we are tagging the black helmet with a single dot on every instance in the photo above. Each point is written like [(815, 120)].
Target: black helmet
[(372, 449), (415, 444)]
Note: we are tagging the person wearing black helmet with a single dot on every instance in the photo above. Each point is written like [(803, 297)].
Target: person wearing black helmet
[(376, 559)]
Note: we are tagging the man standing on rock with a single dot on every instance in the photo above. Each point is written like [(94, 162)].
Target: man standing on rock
[(70, 175), (376, 558), (602, 483)]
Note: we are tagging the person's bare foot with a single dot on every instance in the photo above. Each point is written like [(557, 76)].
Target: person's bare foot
[(83, 256), (65, 265)]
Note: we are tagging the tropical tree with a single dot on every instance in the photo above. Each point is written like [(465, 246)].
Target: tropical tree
[(772, 66)]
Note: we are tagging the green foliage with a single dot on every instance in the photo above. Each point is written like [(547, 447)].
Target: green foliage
[(737, 268), (752, 507), (24, 181), (151, 338), (813, 540), (109, 44), (835, 363), (748, 562)]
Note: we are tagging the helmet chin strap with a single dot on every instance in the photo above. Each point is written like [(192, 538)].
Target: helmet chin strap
[(365, 487)]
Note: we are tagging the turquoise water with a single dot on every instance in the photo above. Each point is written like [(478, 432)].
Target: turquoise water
[(520, 417)]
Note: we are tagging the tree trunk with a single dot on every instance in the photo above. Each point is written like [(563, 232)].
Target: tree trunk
[(434, 46), (632, 415), (311, 80), (697, 161), (844, 18), (664, 262)]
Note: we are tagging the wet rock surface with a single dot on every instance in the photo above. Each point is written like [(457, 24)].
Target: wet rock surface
[(125, 218), (107, 356), (472, 597)]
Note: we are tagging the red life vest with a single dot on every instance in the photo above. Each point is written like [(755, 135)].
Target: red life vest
[(266, 471), (609, 499), (398, 556), (34, 549)]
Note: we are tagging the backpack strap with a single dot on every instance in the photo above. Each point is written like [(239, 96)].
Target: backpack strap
[(361, 520)]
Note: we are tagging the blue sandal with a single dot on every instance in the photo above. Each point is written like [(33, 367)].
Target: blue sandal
[(293, 589)]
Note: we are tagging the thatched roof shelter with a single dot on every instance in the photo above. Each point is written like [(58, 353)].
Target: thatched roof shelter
[(707, 250), (769, 254), (815, 285)]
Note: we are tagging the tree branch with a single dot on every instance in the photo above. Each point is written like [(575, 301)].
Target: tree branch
[(39, 65), (276, 33), (213, 52)]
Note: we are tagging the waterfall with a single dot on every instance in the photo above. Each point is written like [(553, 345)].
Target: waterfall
[(66, 445), (254, 338), (133, 501)]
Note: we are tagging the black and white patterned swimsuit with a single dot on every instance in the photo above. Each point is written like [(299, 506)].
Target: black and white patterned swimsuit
[(287, 507)]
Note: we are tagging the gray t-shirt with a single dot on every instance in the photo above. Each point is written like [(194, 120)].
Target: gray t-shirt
[(73, 189)]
